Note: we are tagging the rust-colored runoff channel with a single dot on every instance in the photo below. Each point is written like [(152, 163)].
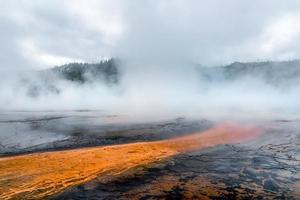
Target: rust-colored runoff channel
[(40, 175)]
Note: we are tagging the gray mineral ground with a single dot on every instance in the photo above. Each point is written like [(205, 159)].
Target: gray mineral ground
[(263, 168)]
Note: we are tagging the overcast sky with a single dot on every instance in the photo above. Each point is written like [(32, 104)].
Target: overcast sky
[(40, 34)]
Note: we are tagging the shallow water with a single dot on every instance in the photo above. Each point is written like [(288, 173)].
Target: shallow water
[(22, 131), (264, 168)]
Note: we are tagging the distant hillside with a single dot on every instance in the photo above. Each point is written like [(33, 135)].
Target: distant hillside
[(49, 81), (273, 73), (106, 71), (281, 75)]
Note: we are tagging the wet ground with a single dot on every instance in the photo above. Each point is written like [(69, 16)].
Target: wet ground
[(24, 132), (267, 167)]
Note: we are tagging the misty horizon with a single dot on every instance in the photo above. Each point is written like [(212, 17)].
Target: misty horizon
[(190, 91)]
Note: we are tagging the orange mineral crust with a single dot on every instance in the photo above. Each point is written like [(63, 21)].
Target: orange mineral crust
[(40, 175)]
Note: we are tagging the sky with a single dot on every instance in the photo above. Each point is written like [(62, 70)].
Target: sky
[(41, 34)]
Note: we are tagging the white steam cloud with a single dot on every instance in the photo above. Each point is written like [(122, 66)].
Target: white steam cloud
[(159, 43)]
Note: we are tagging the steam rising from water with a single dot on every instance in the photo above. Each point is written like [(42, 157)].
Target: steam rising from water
[(152, 91)]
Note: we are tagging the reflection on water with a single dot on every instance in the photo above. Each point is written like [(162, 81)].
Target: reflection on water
[(20, 130), (31, 131)]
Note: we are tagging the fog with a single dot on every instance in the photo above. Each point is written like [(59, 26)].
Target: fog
[(148, 93), (161, 45)]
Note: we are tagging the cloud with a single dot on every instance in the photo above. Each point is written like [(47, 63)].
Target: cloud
[(212, 33), (104, 18), (57, 30), (30, 51), (281, 37), (158, 32)]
